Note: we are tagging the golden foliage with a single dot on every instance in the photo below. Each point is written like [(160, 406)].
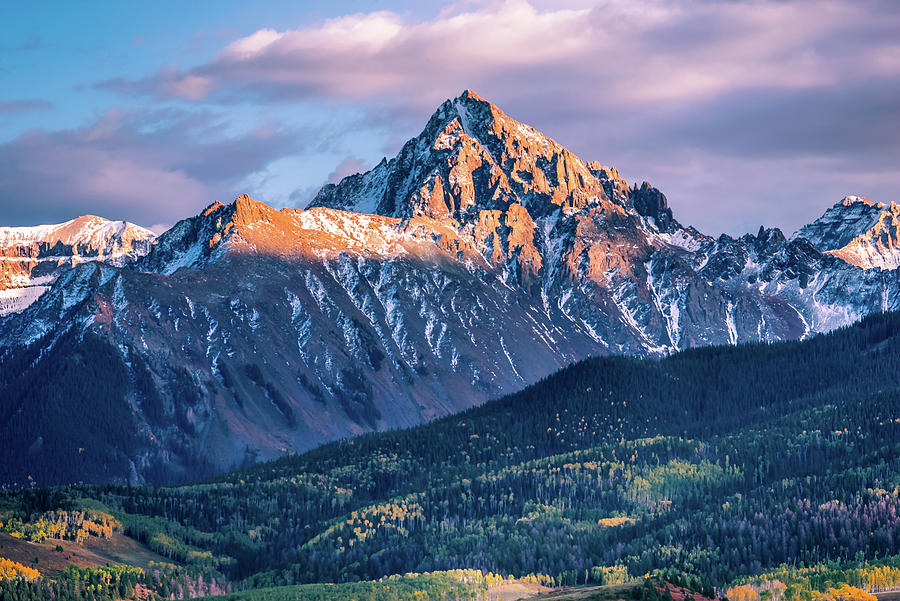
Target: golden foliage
[(12, 569), (611, 522), (847, 593), (742, 593)]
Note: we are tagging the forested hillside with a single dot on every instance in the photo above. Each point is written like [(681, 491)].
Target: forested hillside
[(711, 467)]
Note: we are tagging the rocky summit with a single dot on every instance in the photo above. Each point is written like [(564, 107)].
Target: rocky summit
[(31, 258), (481, 258)]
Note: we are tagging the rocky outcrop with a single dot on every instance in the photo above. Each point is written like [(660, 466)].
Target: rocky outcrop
[(849, 218), (878, 247), (650, 202), (31, 258)]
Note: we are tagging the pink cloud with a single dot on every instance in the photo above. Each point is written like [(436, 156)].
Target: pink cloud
[(349, 166), (23, 106), (646, 51), (771, 104), (67, 175), (145, 167)]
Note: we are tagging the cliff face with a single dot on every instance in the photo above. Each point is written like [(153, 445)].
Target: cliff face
[(479, 259), (31, 258), (876, 243)]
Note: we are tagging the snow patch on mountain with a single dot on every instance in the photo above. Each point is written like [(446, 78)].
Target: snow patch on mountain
[(847, 219), (32, 258)]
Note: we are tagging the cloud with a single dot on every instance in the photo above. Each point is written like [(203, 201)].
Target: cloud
[(774, 103), (823, 122), (24, 106), (302, 196), (639, 51), (149, 167), (349, 166), (34, 42)]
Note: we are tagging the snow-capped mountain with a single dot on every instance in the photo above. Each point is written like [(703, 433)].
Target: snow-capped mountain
[(849, 218), (481, 258), (31, 258), (861, 232)]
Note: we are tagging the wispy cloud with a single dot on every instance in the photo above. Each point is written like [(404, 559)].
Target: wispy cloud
[(34, 42), (151, 167), (24, 106), (635, 51), (643, 84), (765, 110)]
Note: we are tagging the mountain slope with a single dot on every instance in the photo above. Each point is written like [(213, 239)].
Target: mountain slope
[(481, 258), (613, 257), (877, 247), (849, 218), (31, 258), (248, 330), (718, 462)]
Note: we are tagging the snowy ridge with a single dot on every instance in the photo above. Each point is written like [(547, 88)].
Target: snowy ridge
[(31, 258), (878, 246), (847, 219), (110, 239)]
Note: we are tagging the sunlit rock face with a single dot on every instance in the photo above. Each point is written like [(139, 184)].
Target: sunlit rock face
[(861, 232), (31, 258), (481, 258)]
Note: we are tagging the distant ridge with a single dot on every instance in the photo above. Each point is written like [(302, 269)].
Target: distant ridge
[(31, 258)]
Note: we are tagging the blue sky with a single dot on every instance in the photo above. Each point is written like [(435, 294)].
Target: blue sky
[(742, 112), (55, 50)]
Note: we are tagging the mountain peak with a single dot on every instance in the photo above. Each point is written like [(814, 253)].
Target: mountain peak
[(470, 95), (242, 209), (193, 240), (34, 257), (878, 245), (849, 201), (472, 157), (212, 208), (850, 217), (246, 211), (650, 202), (473, 114), (85, 230)]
